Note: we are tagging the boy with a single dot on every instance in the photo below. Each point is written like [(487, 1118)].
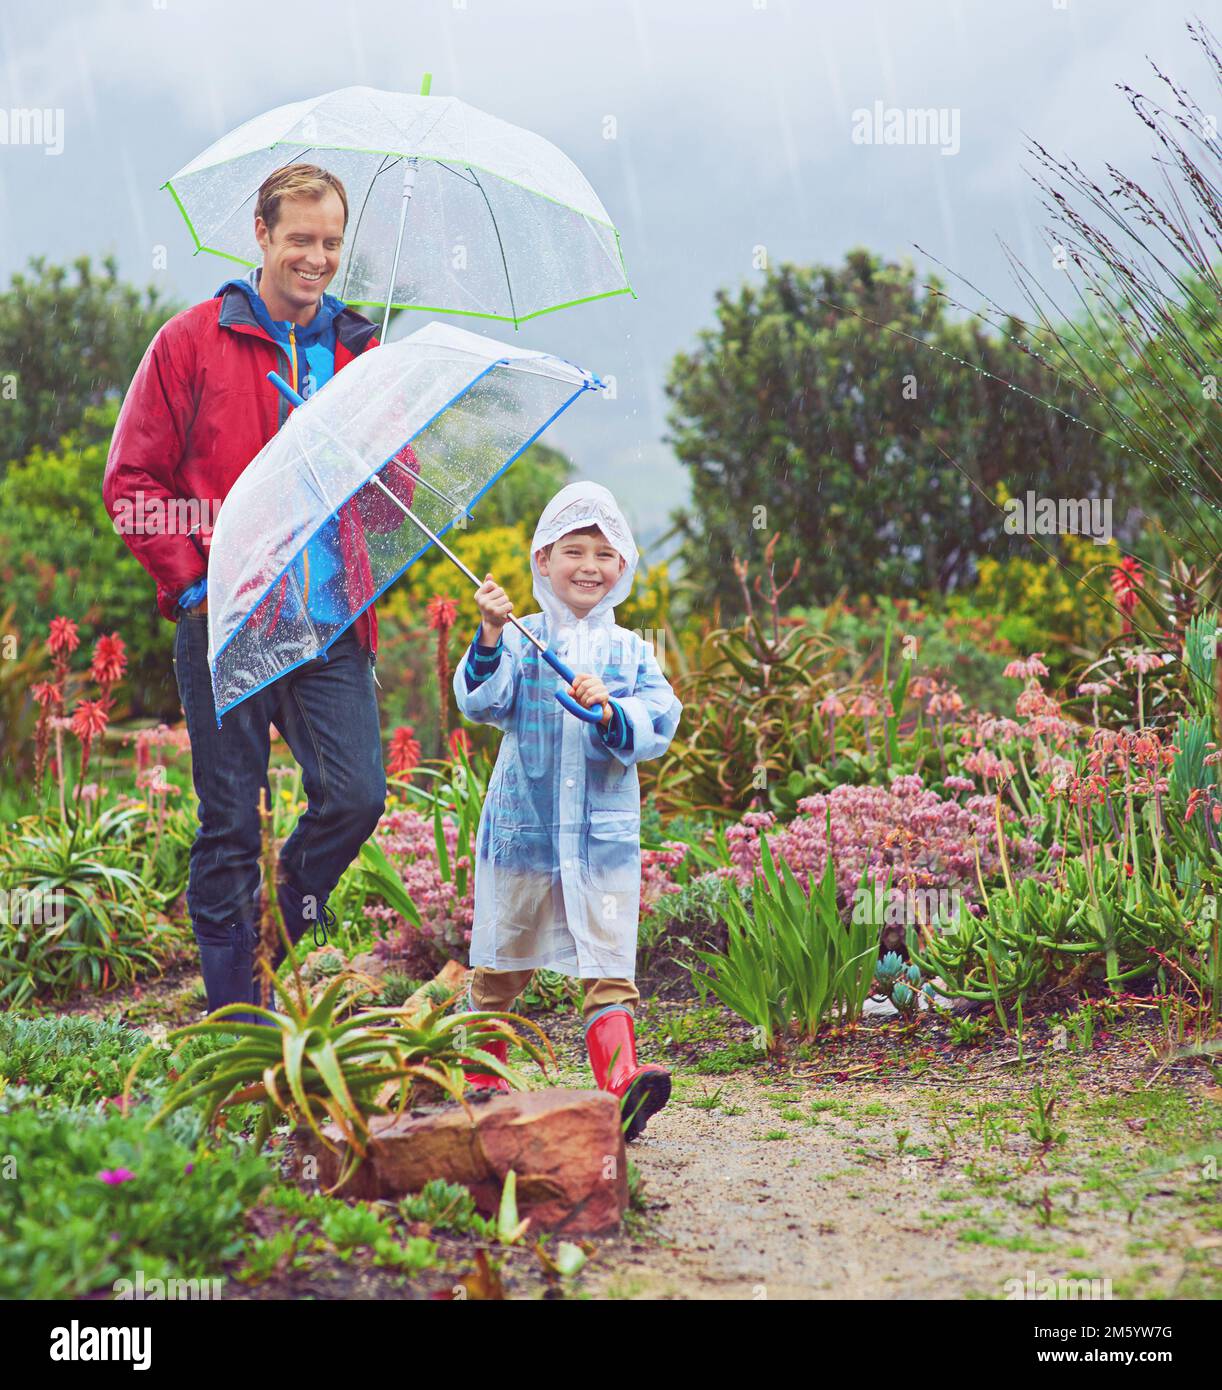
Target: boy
[(558, 857)]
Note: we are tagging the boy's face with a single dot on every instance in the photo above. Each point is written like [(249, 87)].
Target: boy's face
[(583, 569)]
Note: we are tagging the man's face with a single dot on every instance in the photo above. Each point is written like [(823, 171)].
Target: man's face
[(301, 253), (583, 569)]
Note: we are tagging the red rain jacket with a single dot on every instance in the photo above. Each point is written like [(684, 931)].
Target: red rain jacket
[(198, 410)]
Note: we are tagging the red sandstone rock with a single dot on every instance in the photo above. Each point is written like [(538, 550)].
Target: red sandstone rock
[(566, 1147)]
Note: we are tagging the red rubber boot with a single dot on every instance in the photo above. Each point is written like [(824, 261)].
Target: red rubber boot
[(485, 1081), (643, 1090)]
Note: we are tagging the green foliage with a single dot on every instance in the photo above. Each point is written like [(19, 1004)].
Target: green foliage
[(73, 343), (78, 912), (748, 719), (77, 1061), (68, 1233), (324, 1061), (446, 1205), (798, 396), (62, 555), (791, 961)]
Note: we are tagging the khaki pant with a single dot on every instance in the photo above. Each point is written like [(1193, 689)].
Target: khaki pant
[(497, 989)]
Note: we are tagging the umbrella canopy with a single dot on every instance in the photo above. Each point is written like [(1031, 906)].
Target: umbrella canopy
[(502, 225), (388, 455)]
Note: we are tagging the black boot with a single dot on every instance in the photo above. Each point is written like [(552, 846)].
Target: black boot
[(226, 958)]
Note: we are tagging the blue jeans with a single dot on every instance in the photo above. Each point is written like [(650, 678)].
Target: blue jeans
[(327, 713)]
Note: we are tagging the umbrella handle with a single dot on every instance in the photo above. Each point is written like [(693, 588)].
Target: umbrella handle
[(594, 714), (293, 397)]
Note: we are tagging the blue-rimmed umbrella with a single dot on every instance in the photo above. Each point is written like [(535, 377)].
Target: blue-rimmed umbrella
[(360, 481)]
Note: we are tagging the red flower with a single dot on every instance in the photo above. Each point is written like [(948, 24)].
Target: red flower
[(109, 660), (47, 693), (459, 739), (63, 636), (442, 612), (89, 719), (404, 750), (1126, 579)]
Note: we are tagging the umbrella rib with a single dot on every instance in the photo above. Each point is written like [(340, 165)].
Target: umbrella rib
[(513, 308), (436, 491), (343, 294)]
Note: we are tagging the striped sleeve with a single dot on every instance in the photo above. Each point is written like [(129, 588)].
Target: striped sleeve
[(618, 733), (481, 661)]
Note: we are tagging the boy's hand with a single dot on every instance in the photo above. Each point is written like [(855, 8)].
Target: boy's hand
[(494, 608), (589, 690)]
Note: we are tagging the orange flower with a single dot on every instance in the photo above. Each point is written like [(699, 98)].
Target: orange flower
[(459, 739), (63, 636)]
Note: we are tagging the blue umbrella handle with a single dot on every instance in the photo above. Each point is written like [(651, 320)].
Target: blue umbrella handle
[(594, 714), (293, 397)]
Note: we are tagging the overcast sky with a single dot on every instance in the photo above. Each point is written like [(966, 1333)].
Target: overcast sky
[(733, 124)]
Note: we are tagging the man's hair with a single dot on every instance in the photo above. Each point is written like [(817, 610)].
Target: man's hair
[(581, 531), (296, 181)]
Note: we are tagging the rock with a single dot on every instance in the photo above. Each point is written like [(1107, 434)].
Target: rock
[(451, 978), (566, 1147), (369, 964)]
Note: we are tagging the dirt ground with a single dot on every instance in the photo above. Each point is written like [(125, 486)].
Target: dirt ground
[(885, 1162)]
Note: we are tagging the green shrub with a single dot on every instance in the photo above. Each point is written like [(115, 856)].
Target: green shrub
[(68, 1230)]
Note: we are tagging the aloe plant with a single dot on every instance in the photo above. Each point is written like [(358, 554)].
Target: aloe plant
[(326, 1061), (790, 960)]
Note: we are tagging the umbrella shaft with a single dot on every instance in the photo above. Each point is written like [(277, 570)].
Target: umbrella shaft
[(449, 554), (409, 182)]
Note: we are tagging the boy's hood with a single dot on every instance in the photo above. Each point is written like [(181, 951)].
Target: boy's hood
[(575, 506), (328, 309)]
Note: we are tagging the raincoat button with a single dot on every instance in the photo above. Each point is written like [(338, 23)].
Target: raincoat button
[(568, 782)]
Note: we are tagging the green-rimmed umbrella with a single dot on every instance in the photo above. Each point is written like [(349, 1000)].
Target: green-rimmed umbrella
[(502, 226)]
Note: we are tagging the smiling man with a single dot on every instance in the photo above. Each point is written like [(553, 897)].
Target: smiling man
[(199, 409)]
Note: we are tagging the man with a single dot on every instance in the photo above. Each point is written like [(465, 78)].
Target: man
[(199, 409)]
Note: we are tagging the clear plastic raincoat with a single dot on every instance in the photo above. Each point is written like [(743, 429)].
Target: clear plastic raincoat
[(558, 851)]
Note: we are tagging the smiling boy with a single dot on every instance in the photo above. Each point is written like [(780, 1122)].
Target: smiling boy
[(558, 852)]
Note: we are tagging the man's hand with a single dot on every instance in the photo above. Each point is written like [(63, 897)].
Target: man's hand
[(494, 608), (589, 690)]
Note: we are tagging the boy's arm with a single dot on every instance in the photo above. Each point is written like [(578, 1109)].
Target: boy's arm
[(651, 714), (486, 683)]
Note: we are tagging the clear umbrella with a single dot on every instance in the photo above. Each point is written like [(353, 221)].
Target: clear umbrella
[(360, 481), (502, 225)]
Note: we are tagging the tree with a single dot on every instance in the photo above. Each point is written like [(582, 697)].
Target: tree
[(60, 554), (849, 412), (67, 346)]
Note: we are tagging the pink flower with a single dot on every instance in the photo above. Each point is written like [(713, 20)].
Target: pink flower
[(1027, 668), (114, 1176), (1143, 661)]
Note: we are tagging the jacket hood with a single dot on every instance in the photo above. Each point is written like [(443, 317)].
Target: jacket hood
[(329, 309), (577, 505)]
